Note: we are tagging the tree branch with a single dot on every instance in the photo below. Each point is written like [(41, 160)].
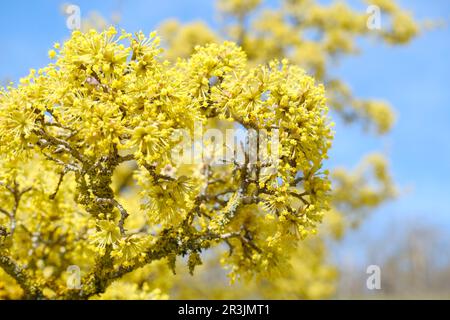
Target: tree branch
[(30, 289)]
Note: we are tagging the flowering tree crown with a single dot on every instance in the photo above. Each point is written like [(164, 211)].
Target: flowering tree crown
[(110, 101)]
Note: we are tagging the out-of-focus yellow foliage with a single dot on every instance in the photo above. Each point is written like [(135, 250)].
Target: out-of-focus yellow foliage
[(152, 282), (181, 40), (238, 7), (307, 277), (363, 189), (9, 289)]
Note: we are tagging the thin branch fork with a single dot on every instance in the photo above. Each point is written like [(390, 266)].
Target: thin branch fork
[(17, 194), (300, 196), (151, 169), (60, 180), (123, 212), (67, 166), (62, 144)]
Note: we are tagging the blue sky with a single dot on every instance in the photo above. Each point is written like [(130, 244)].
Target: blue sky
[(413, 78)]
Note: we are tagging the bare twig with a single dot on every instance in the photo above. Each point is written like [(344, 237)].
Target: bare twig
[(61, 177), (17, 194)]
